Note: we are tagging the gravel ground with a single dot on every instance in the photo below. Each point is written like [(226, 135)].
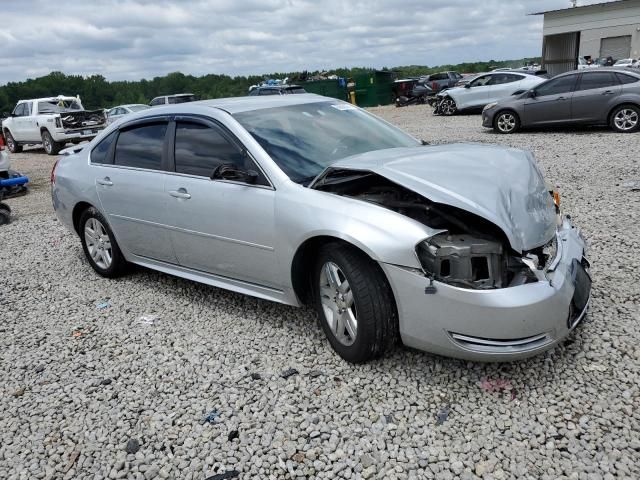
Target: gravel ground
[(90, 392)]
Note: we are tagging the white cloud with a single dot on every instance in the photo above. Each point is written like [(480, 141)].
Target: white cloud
[(131, 39)]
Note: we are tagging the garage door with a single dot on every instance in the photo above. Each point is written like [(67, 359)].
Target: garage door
[(616, 47)]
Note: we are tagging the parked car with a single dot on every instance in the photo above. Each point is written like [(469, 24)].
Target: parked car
[(276, 90), (51, 121), (455, 249), (626, 62), (120, 111), (173, 99), (484, 89), (589, 97), (442, 80)]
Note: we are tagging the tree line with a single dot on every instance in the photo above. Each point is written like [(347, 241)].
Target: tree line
[(97, 92)]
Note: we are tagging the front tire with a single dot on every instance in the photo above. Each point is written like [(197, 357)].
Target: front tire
[(625, 119), (11, 143), (355, 303), (448, 107), (506, 122), (50, 145), (99, 244)]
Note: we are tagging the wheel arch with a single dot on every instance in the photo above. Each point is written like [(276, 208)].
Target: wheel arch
[(303, 263), (78, 209), (618, 105)]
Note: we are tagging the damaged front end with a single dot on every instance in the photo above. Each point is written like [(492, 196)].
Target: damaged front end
[(468, 251)]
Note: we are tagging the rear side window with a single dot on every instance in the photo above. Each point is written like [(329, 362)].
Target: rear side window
[(200, 149), (557, 86), (100, 152), (591, 81), (157, 101), (141, 147), (624, 79)]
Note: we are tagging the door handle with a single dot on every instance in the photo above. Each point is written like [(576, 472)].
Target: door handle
[(180, 193), (607, 92), (106, 181), (561, 98)]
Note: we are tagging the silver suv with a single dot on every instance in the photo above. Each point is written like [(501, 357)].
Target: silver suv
[(173, 99)]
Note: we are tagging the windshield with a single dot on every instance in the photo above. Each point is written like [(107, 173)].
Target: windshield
[(59, 106), (305, 139), (137, 108)]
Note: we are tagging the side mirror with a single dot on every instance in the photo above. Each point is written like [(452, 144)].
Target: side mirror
[(467, 85), (229, 171), (532, 94)]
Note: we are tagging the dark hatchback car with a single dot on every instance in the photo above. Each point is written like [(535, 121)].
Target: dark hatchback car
[(599, 97), (276, 90)]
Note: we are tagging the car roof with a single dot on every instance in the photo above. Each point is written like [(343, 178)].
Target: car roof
[(48, 99), (628, 71), (245, 104)]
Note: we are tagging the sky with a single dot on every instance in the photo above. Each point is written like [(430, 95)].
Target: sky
[(133, 39)]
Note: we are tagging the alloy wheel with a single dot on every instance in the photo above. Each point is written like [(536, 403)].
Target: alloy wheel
[(46, 143), (98, 243), (10, 143), (626, 119), (506, 122), (338, 304), (448, 106)]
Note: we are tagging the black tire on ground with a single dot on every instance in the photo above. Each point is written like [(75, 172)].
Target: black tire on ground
[(50, 146), (5, 214), (373, 302), (118, 265), (506, 121), (11, 143), (625, 118)]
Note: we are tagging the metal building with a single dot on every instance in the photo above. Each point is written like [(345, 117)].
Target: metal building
[(600, 30)]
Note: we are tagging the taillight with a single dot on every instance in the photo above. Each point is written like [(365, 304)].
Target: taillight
[(1, 142), (53, 172)]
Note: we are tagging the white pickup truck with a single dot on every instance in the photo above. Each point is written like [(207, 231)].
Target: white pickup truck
[(53, 122)]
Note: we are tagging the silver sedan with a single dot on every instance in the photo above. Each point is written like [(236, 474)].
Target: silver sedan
[(458, 249)]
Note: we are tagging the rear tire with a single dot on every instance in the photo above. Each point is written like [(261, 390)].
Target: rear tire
[(50, 145), (354, 302), (11, 143), (625, 119), (506, 122), (99, 244)]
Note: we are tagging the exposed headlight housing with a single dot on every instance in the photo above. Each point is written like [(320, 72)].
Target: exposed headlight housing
[(489, 106)]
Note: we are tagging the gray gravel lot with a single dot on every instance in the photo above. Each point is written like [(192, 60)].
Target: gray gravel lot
[(78, 382)]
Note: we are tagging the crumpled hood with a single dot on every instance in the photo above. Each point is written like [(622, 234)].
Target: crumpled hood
[(502, 185)]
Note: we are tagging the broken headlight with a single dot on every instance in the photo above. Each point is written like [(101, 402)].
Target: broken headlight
[(463, 260)]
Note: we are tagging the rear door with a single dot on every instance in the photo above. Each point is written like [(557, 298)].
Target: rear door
[(130, 183), (17, 122), (595, 95), (551, 103), (221, 227)]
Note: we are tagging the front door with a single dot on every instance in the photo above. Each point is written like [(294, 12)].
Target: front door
[(222, 227), (475, 95), (551, 102), (130, 184), (594, 96)]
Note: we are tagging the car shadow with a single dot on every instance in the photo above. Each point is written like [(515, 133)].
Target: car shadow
[(576, 130)]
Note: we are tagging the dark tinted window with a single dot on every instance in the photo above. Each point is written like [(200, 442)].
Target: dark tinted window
[(99, 153), (141, 147), (269, 91), (201, 149), (557, 86), (182, 99), (590, 81), (439, 76), (624, 79), (501, 78)]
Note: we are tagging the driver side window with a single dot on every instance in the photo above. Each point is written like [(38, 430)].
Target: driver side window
[(19, 110), (556, 86), (200, 149), (481, 81)]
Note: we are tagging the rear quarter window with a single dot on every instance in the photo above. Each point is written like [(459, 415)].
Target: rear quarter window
[(100, 152), (625, 79)]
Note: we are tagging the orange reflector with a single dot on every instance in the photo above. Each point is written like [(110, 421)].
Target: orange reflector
[(556, 198)]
